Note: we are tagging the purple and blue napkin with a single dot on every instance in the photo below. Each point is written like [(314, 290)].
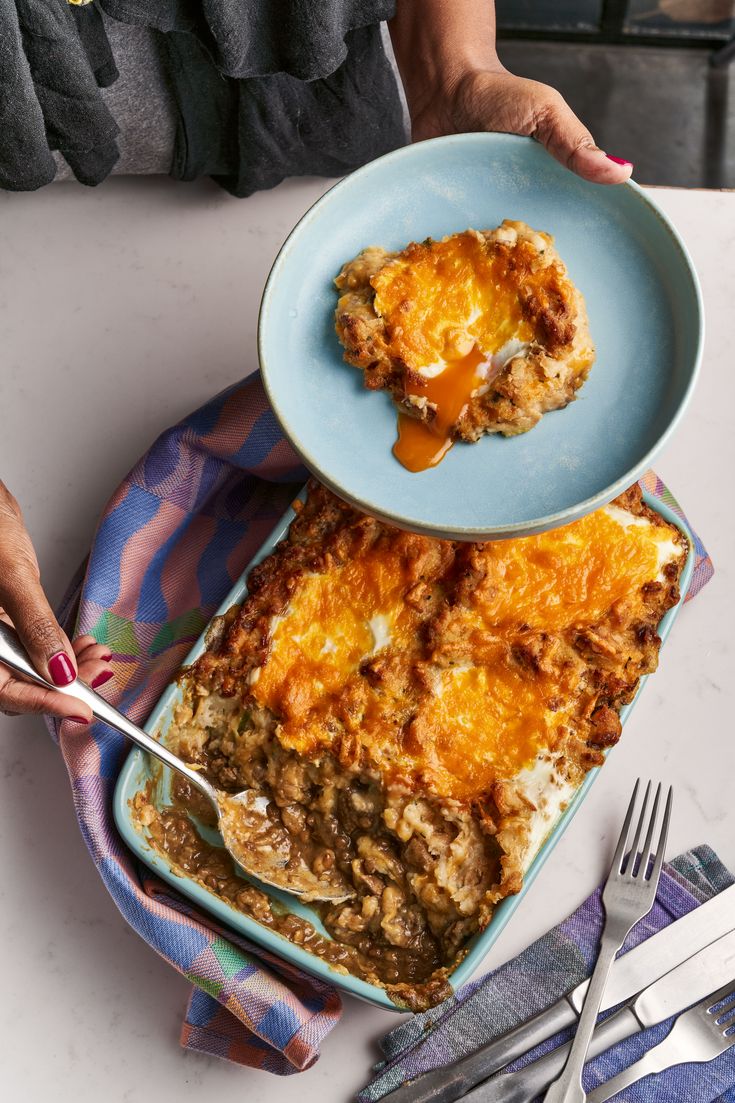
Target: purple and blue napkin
[(541, 975)]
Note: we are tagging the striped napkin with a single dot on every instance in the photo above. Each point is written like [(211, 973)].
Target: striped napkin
[(171, 542), (544, 972)]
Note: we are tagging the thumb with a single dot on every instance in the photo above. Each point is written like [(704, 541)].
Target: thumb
[(47, 645), (570, 142)]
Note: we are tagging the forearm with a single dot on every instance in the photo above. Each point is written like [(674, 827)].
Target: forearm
[(439, 42)]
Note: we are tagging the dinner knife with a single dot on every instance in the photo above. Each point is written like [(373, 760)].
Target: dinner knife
[(686, 984), (630, 974)]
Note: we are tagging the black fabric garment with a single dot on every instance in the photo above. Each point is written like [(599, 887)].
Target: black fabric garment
[(49, 98), (96, 45), (251, 134), (264, 88), (257, 38), (25, 159)]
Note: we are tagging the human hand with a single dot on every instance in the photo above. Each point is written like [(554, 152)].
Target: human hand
[(496, 100), (455, 82), (24, 605)]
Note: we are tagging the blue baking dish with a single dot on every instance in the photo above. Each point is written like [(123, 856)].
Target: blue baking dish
[(137, 771)]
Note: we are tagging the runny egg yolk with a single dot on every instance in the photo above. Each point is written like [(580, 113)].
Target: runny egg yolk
[(421, 445), (448, 307)]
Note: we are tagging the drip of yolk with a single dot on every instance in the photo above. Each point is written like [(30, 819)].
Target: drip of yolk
[(421, 445)]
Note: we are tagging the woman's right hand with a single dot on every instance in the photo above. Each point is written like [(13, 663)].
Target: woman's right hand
[(24, 605)]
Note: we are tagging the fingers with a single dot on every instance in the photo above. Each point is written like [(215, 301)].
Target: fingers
[(86, 648), (497, 100), (52, 654), (22, 597), (569, 141), (95, 672), (48, 646), (19, 696), (93, 660)]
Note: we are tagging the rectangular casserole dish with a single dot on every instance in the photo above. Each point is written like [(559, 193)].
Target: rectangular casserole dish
[(137, 773)]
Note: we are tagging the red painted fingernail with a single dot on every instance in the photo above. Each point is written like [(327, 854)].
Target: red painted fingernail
[(77, 719), (60, 668), (102, 678), (106, 657), (618, 160)]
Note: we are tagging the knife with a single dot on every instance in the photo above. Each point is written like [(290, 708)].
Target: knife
[(630, 974), (686, 984)]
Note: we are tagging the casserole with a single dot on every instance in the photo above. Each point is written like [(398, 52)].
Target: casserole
[(521, 841)]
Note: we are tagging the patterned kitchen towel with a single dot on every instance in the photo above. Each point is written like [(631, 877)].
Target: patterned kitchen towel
[(171, 542), (539, 976)]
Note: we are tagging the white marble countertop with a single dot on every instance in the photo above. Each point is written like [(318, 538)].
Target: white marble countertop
[(120, 310)]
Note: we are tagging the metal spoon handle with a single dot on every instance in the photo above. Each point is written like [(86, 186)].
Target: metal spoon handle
[(14, 655)]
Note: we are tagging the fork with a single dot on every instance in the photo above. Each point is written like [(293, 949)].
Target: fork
[(629, 893), (700, 1034)]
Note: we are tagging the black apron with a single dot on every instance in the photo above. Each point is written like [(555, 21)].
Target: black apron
[(264, 89)]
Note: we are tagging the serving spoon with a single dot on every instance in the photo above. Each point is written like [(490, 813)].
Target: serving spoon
[(259, 844)]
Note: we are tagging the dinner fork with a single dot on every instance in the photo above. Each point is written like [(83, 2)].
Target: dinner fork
[(700, 1034), (628, 895)]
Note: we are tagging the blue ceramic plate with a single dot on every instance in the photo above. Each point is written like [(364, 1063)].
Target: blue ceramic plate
[(645, 316), (136, 774)]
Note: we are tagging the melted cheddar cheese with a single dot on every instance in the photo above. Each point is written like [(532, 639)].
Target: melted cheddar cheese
[(488, 721), (568, 577), (334, 622), (441, 298), (435, 691)]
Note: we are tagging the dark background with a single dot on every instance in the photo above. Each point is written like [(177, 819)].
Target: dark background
[(640, 74)]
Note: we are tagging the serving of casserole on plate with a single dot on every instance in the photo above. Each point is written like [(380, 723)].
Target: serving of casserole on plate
[(616, 262), (481, 332), (422, 717)]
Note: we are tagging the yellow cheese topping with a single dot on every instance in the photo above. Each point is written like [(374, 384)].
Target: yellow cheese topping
[(457, 711), (441, 298)]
